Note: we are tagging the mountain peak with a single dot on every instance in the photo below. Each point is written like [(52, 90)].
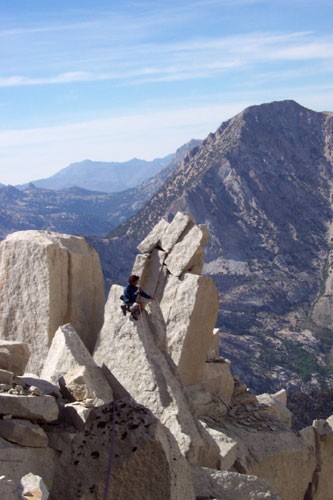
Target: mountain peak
[(261, 183)]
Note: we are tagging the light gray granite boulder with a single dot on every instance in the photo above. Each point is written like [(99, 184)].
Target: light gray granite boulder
[(23, 432), (123, 452), (190, 308), (40, 408), (17, 461), (187, 254), (33, 487), (176, 229), (48, 279), (14, 356), (222, 485), (322, 484), (150, 269), (68, 360), (6, 377), (153, 238)]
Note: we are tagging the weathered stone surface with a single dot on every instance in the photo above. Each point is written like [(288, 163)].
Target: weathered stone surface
[(218, 380), (8, 489), (41, 408), (322, 483), (308, 435), (190, 308), (212, 397), (276, 408), (33, 487), (213, 352), (49, 279), (76, 414), (163, 276), (67, 351), (281, 396), (187, 254), (5, 387), (60, 438), (229, 448), (136, 442), (206, 404), (6, 377), (14, 356), (153, 238), (23, 432), (149, 375), (175, 230), (150, 269), (88, 382), (45, 387), (140, 266), (224, 485), (17, 461), (280, 457)]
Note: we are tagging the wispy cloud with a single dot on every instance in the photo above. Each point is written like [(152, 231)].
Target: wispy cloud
[(49, 28), (70, 77), (191, 58)]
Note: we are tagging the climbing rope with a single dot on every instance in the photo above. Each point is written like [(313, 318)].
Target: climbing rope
[(108, 477)]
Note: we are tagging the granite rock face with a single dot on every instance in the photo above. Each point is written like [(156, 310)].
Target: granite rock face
[(23, 432), (189, 308), (178, 328), (70, 364), (14, 356), (17, 461), (322, 484), (223, 485), (141, 364), (171, 272), (40, 408), (145, 459), (48, 279), (8, 489), (33, 487)]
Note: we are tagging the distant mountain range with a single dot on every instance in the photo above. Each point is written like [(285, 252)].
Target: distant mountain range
[(76, 210), (107, 177)]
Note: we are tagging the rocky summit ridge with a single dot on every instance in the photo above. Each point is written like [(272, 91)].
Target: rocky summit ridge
[(263, 185), (114, 407)]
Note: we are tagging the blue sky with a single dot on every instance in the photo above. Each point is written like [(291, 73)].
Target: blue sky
[(110, 80)]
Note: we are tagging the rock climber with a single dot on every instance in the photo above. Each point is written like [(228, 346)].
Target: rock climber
[(131, 296)]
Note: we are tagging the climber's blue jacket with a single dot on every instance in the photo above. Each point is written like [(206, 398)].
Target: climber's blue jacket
[(131, 293)]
